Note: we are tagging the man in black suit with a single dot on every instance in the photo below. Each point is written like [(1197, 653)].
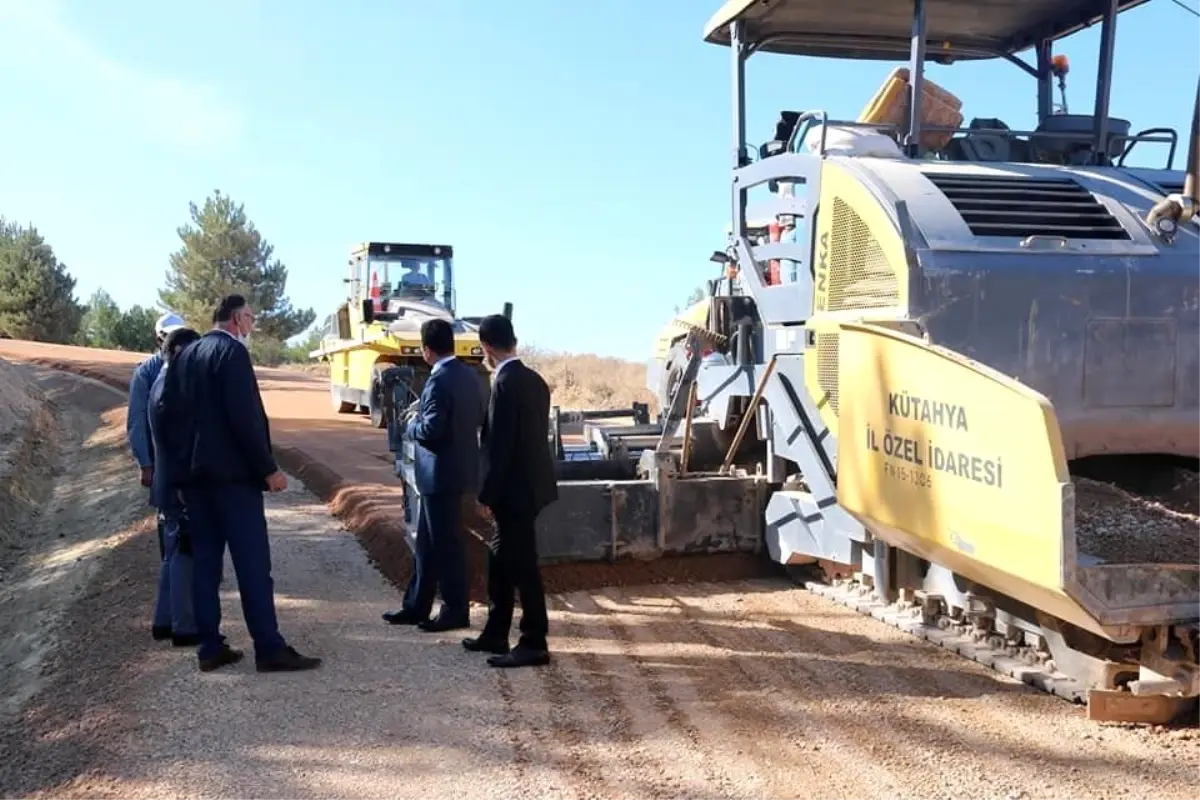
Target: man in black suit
[(218, 444), (445, 430), (517, 483)]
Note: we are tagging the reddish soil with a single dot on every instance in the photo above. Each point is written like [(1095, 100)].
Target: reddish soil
[(345, 462)]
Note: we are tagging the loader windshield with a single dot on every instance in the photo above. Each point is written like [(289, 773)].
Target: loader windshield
[(412, 277)]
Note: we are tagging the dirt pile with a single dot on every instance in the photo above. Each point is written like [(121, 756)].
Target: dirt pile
[(1123, 528), (27, 431)]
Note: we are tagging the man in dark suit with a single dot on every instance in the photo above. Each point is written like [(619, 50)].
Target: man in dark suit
[(516, 484), (218, 443), (445, 430)]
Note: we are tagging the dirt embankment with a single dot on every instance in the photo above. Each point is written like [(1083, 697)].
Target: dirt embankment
[(27, 431), (68, 496)]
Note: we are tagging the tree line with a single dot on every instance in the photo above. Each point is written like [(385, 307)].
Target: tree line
[(221, 252)]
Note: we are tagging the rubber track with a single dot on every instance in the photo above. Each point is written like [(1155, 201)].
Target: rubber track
[(908, 619)]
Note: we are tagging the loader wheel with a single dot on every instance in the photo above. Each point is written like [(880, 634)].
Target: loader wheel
[(378, 418)]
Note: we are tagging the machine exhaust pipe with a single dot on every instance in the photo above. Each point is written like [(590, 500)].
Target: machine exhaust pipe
[(1173, 210)]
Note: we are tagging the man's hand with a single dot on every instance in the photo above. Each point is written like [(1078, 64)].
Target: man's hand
[(484, 512), (276, 481), (147, 476)]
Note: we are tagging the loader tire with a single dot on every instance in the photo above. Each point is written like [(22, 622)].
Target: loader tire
[(376, 408)]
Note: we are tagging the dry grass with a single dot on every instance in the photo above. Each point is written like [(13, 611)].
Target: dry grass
[(580, 381), (583, 381)]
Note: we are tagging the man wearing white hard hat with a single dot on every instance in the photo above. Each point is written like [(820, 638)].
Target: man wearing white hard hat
[(137, 420)]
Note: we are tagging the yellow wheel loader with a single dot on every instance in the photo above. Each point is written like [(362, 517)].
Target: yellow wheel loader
[(391, 289)]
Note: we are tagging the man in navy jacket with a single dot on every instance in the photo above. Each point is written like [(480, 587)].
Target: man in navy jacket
[(218, 451), (446, 433)]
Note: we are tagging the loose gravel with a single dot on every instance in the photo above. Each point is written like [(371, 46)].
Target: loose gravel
[(1121, 528)]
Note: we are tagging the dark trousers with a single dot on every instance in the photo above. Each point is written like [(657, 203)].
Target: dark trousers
[(441, 562), (233, 515), (513, 571)]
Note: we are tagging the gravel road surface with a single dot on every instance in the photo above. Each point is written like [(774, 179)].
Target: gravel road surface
[(747, 689)]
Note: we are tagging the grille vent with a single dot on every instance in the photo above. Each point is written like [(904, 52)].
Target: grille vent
[(1002, 205), (827, 367), (859, 275)]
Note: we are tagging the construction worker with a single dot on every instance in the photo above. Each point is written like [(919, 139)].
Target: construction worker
[(137, 425), (137, 421)]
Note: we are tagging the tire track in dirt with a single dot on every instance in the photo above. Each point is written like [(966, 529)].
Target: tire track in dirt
[(705, 735), (570, 744), (860, 731), (622, 689), (520, 750), (833, 763), (617, 720), (529, 725)]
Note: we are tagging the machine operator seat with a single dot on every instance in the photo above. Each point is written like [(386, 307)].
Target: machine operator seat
[(979, 144)]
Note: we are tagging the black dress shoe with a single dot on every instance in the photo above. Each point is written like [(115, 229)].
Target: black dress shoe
[(403, 617), (227, 655), (440, 623), (287, 660), (161, 632), (520, 657), (186, 640), (483, 644)]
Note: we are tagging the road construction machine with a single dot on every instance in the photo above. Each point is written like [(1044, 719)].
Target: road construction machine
[(391, 289), (940, 382), (956, 340)]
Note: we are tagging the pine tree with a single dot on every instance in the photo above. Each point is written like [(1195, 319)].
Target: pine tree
[(37, 293), (100, 321), (223, 253)]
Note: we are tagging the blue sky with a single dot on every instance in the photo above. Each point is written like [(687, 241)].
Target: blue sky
[(574, 153)]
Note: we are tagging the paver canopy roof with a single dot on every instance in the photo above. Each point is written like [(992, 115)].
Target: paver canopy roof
[(882, 29)]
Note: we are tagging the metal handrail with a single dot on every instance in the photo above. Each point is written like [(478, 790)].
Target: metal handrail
[(1150, 135)]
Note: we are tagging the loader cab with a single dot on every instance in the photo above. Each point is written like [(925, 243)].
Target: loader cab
[(392, 277)]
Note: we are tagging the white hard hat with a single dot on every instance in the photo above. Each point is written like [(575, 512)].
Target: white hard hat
[(168, 322)]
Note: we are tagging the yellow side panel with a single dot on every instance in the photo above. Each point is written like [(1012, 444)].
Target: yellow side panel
[(361, 363), (339, 368), (966, 462), (862, 272), (861, 262)]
